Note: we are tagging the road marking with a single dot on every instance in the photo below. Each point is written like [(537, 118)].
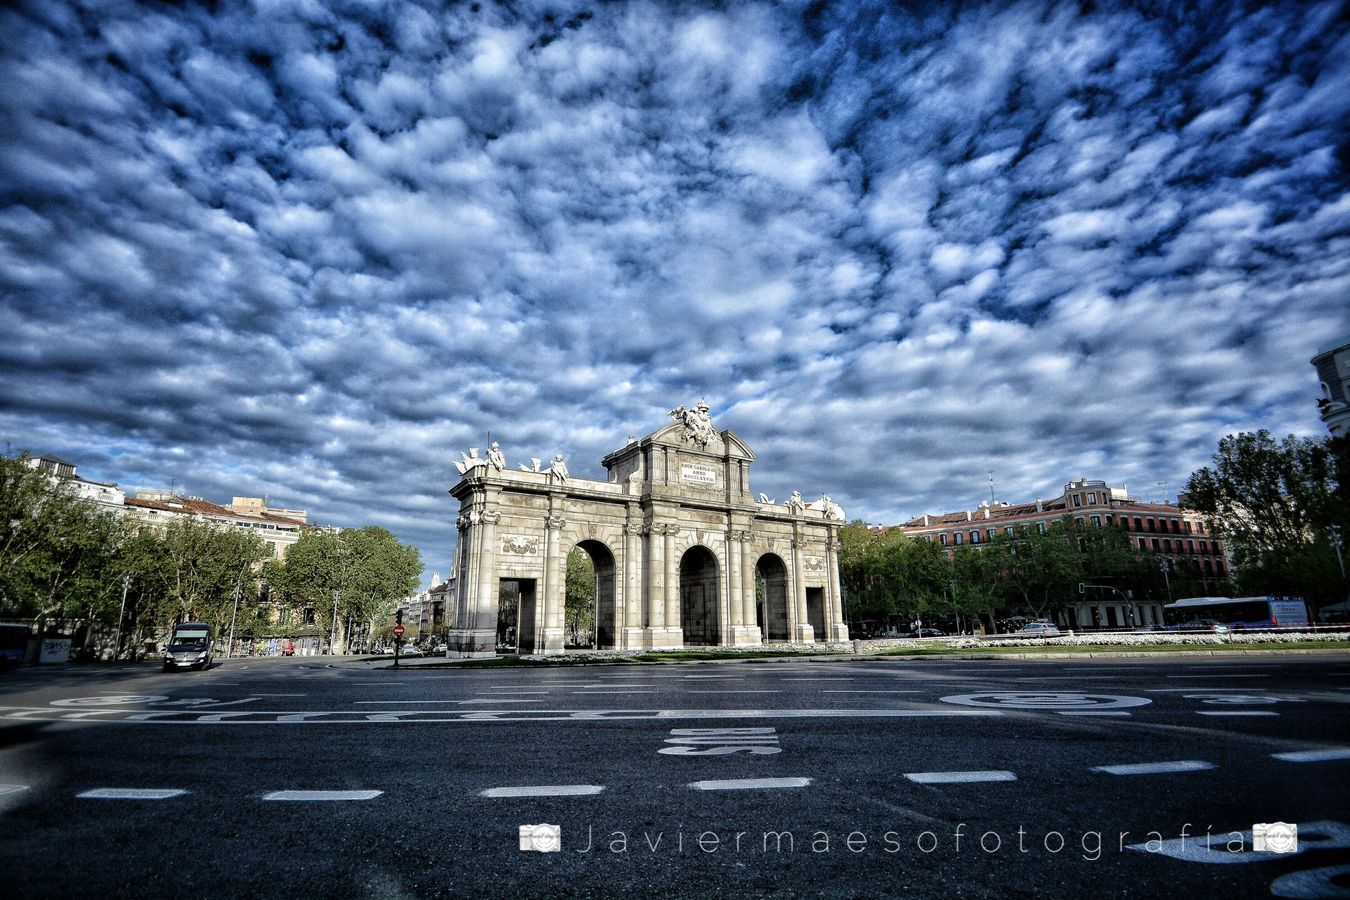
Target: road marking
[(1229, 676), (322, 795), (357, 717), (734, 691), (12, 788), (1155, 768), (749, 784), (836, 691), (1093, 712), (1053, 700), (619, 691), (279, 695), (959, 777), (544, 790), (378, 683), (1328, 755), (131, 794), (1236, 713), (1191, 690)]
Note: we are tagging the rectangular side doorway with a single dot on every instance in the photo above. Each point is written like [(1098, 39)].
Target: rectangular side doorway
[(815, 611), (515, 615)]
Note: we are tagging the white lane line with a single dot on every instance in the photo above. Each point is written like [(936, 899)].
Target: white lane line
[(818, 680), (869, 692), (322, 795), (959, 777), (1237, 713), (1333, 753), (749, 784), (12, 788), (377, 683), (131, 794), (421, 702), (277, 695), (593, 693), (1155, 768), (1093, 712), (494, 700), (734, 691), (544, 790), (1230, 676), (1192, 690)]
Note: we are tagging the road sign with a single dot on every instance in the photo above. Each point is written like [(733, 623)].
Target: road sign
[(398, 631)]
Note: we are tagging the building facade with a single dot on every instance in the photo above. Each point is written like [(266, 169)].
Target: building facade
[(684, 554), (1179, 538)]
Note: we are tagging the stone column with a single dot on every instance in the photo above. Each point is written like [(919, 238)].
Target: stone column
[(735, 605), (486, 617), (554, 587), (803, 632), (631, 636), (655, 577), (838, 629), (672, 579), (747, 551)]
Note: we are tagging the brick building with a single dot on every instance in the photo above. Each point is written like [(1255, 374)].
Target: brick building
[(1177, 537)]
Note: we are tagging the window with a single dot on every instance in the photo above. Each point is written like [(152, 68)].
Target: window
[(956, 538), (1008, 530), (1143, 543), (1152, 527), (942, 540), (1097, 521), (1156, 547), (1077, 499), (989, 535), (1138, 524), (974, 537), (1092, 498), (1040, 526)]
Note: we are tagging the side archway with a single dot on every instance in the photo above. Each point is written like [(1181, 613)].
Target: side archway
[(603, 622), (771, 597)]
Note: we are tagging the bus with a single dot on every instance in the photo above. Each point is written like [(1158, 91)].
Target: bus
[(1237, 613)]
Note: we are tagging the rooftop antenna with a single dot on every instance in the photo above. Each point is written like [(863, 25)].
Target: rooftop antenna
[(991, 489), (1163, 485)]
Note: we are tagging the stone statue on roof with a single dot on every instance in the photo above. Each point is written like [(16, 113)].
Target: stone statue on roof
[(698, 424)]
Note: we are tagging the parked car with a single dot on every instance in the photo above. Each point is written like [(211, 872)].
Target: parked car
[(1038, 629), (928, 632)]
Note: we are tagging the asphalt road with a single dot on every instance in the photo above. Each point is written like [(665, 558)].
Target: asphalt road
[(973, 778)]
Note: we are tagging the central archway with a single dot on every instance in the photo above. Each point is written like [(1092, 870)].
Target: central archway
[(698, 597), (771, 602)]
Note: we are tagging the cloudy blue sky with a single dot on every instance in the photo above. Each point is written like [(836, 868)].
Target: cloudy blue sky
[(315, 249)]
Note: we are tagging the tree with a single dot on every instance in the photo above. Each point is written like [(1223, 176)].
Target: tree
[(1273, 504), (58, 552), (1039, 570), (358, 573), (195, 567), (579, 602)]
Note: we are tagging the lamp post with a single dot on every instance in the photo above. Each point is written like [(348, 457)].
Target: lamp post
[(1338, 542), (229, 647), (332, 634), (1162, 564), (121, 614)]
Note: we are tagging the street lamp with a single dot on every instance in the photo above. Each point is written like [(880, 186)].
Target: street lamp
[(1338, 542), (121, 614), (332, 634), (1162, 564)]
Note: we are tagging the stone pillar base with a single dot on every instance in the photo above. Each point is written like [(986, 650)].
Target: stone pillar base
[(744, 636), (804, 634), (662, 638), (553, 641), (836, 632), (632, 639), (471, 642)]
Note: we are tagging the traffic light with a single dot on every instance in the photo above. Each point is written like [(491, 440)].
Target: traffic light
[(398, 617)]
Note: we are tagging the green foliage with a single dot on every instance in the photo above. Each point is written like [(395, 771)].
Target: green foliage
[(1274, 504), (579, 603), (366, 570), (59, 554)]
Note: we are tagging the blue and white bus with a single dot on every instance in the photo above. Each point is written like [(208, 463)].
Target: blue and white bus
[(1245, 613)]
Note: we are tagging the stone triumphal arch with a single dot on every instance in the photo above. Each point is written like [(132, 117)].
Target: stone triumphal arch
[(678, 542)]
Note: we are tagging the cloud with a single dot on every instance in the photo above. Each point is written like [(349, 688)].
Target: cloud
[(312, 250)]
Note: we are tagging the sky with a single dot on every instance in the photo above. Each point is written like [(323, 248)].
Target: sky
[(314, 250)]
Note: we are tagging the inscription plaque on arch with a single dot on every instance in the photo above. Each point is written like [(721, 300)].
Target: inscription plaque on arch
[(694, 473)]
